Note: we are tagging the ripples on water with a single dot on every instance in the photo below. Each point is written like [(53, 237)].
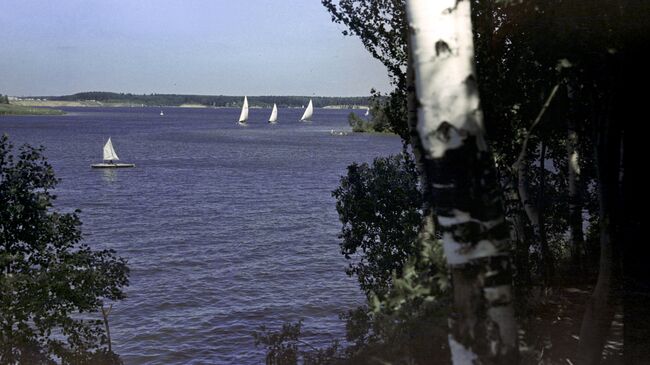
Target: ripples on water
[(225, 228)]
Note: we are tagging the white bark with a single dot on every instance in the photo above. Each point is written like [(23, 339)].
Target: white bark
[(443, 54), (450, 126)]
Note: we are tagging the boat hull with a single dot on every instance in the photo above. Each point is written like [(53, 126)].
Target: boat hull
[(339, 133), (111, 165)]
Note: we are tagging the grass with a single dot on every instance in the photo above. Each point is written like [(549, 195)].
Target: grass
[(11, 109)]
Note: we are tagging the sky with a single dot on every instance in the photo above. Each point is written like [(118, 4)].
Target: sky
[(208, 47)]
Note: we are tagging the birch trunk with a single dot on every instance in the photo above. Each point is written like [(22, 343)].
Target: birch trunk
[(427, 228), (462, 178), (416, 143)]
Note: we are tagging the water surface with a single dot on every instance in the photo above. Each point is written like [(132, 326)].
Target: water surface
[(225, 227)]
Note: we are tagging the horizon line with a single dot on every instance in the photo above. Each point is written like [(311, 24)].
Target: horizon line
[(149, 94)]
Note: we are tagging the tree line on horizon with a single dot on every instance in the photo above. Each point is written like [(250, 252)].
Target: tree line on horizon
[(212, 100)]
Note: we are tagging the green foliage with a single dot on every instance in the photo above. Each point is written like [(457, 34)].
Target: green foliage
[(519, 63), (360, 125), (379, 119), (383, 29), (390, 112), (379, 206), (51, 284), (423, 280), (4, 99), (399, 266), (416, 334), (284, 347), (407, 325)]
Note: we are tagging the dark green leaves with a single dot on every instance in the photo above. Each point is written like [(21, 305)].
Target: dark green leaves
[(50, 283), (378, 205)]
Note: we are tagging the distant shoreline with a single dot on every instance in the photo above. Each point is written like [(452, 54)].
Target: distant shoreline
[(97, 104), (110, 99), (13, 109)]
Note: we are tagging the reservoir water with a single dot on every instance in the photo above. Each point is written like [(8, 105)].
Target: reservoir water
[(225, 228)]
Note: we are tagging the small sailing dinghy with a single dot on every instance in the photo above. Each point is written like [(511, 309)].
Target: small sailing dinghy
[(243, 117), (306, 117), (367, 112), (274, 115), (110, 156), (161, 113)]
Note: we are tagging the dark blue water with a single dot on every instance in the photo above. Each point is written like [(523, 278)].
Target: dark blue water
[(225, 228)]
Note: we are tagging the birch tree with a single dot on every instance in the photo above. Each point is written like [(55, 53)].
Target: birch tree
[(462, 179)]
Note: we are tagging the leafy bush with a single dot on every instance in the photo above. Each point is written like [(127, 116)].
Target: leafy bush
[(378, 206), (50, 282)]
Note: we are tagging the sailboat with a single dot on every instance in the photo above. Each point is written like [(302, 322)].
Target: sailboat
[(274, 115), (367, 112), (161, 113), (243, 117), (110, 156), (306, 117)]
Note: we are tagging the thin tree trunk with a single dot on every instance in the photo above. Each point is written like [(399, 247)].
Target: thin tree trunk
[(575, 198), (539, 246), (520, 235), (538, 266), (600, 307), (547, 256), (105, 313), (461, 175)]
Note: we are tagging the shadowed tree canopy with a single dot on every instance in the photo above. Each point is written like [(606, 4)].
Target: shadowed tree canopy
[(51, 284), (382, 28), (379, 206), (562, 119)]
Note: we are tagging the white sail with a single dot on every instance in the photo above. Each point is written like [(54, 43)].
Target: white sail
[(308, 112), (367, 111), (243, 117), (274, 114), (109, 151)]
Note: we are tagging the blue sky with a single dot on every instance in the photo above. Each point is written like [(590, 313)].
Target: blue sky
[(229, 47)]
